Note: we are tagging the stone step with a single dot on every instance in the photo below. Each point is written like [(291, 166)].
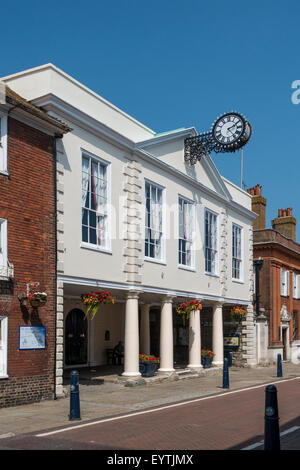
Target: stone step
[(186, 374), (183, 371)]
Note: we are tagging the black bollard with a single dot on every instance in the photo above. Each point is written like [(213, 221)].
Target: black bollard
[(225, 374), (279, 366), (74, 396), (272, 436)]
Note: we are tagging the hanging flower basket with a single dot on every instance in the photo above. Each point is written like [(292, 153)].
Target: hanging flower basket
[(38, 299), (184, 309), (238, 312), (93, 300)]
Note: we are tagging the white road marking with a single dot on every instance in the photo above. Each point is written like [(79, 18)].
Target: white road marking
[(131, 415), (260, 443), (8, 434)]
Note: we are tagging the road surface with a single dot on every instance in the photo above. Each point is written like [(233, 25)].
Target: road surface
[(231, 420)]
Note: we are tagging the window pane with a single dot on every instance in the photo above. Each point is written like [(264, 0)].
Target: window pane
[(84, 217), (85, 237), (92, 219), (93, 238)]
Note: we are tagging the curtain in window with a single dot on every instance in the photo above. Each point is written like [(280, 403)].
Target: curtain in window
[(97, 200), (154, 213), (184, 221), (85, 181)]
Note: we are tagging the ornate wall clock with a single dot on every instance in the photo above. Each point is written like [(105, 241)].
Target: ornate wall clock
[(230, 132)]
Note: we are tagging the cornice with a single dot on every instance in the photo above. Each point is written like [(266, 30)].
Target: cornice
[(56, 105), (147, 289), (79, 85), (275, 245), (161, 139)]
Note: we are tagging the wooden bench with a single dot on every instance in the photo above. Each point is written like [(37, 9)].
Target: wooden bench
[(110, 359)]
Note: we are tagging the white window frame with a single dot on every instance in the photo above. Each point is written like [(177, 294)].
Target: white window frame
[(3, 347), (237, 228), (3, 244), (105, 247), (191, 232), (296, 286), (3, 143), (162, 258), (284, 282), (295, 293), (215, 248)]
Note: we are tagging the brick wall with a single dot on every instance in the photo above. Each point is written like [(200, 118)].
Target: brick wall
[(27, 201)]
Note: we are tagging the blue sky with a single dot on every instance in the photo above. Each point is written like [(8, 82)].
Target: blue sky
[(173, 64)]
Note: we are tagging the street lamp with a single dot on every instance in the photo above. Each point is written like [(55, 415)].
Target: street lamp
[(258, 265)]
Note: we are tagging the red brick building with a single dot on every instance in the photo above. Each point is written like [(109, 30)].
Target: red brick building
[(27, 249), (279, 282)]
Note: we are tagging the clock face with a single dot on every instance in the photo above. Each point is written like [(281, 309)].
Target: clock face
[(229, 128)]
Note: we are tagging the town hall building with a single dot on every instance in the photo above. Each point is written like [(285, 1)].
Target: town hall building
[(136, 220)]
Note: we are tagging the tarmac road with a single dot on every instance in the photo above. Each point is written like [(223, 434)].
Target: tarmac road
[(230, 420)]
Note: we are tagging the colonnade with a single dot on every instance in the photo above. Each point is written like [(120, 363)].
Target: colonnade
[(133, 341)]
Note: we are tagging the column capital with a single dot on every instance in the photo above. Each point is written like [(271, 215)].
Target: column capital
[(132, 294), (218, 303), (168, 299)]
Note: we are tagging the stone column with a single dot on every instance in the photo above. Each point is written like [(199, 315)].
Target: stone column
[(91, 342), (217, 339), (262, 338), (166, 336), (145, 329), (195, 340), (131, 340)]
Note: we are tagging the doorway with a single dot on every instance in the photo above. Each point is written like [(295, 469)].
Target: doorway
[(76, 338)]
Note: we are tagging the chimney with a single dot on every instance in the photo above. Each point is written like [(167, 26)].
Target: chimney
[(258, 206), (285, 223)]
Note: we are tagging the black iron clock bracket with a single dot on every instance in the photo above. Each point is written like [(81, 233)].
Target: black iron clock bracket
[(201, 145)]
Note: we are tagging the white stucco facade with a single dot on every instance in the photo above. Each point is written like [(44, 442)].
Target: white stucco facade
[(134, 155)]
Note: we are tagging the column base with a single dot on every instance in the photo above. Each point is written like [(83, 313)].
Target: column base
[(166, 371), (131, 374), (218, 364), (195, 366)]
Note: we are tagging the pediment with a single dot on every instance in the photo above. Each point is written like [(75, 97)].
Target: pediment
[(170, 149)]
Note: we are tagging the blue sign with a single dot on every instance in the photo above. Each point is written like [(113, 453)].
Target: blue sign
[(32, 337)]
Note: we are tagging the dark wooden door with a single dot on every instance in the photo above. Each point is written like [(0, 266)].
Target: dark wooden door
[(76, 338)]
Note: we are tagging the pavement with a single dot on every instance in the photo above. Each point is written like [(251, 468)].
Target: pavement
[(103, 393)]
